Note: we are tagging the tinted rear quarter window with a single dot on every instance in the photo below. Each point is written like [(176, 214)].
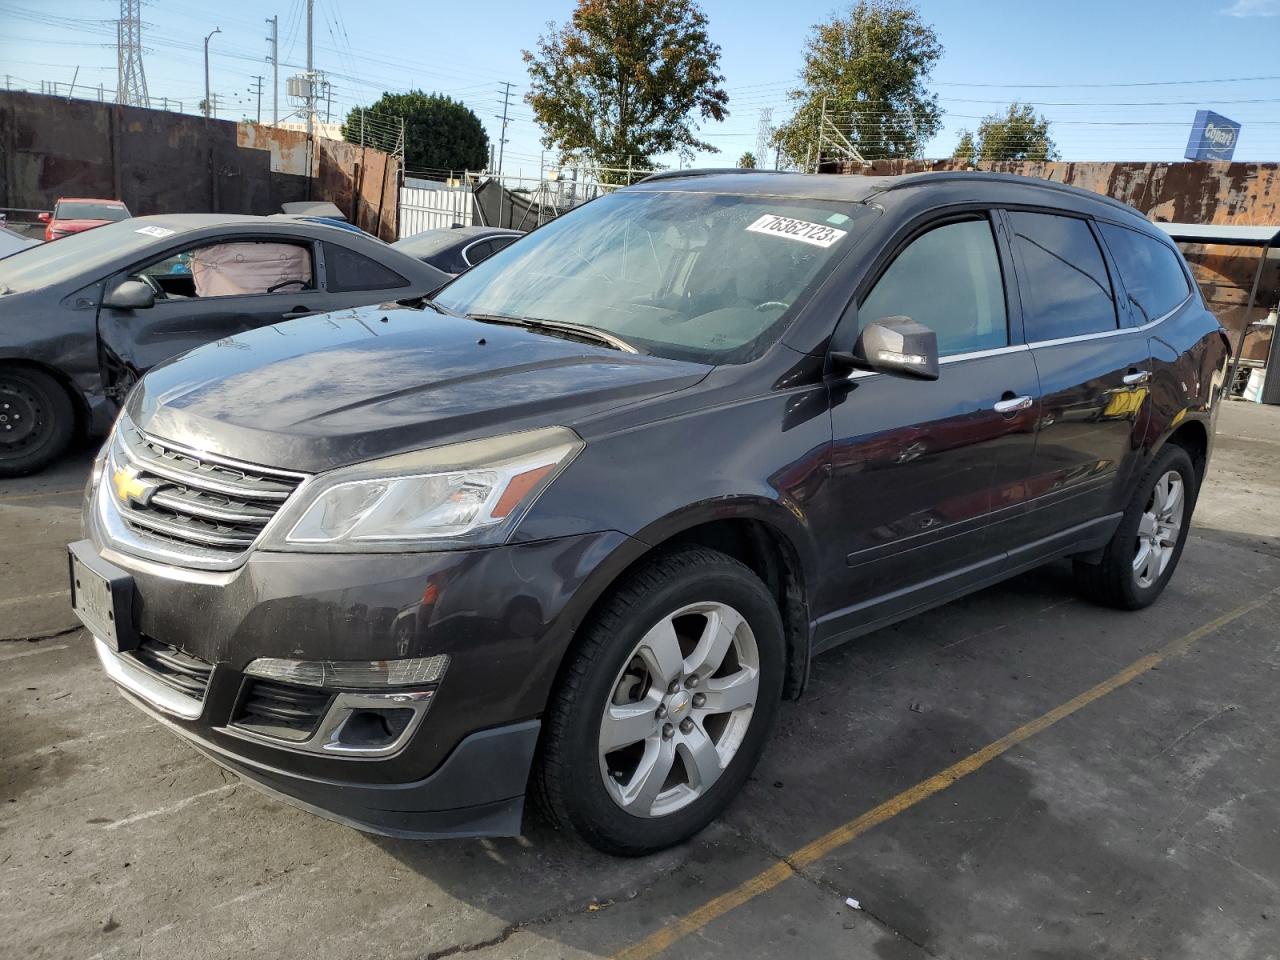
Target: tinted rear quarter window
[(949, 280), (478, 252), (346, 270), (1149, 269), (1062, 277)]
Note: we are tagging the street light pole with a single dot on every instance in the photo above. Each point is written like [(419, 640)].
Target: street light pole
[(206, 70)]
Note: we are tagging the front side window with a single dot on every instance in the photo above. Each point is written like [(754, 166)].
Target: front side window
[(1152, 276), (688, 275), (237, 269), (949, 280), (1062, 277)]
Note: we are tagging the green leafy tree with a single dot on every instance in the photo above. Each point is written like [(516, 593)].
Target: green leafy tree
[(625, 81), (747, 161), (865, 70), (1017, 134), (966, 150), (440, 133)]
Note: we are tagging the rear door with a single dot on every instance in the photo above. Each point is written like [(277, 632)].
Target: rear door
[(919, 466), (1093, 375)]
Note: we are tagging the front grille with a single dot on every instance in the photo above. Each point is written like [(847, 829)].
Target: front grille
[(281, 710), (197, 503), (186, 674)]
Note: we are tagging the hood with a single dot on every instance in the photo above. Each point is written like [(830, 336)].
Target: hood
[(77, 226), (325, 391)]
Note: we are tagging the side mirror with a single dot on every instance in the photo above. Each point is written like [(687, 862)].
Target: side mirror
[(130, 295), (897, 345), (44, 217)]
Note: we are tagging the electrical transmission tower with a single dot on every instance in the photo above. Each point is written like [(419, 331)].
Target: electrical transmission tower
[(131, 81), (764, 133)]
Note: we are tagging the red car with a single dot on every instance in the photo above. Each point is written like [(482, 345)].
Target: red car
[(74, 214)]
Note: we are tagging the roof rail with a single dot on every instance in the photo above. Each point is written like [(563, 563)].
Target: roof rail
[(915, 179), (700, 172)]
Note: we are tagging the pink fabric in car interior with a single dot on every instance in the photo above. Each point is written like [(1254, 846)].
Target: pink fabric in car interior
[(236, 269)]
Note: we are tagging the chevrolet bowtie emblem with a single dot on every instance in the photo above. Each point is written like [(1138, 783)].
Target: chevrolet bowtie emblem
[(131, 488)]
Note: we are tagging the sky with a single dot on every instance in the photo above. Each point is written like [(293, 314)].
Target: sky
[(1112, 77)]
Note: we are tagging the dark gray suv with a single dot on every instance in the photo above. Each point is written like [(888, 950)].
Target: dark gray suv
[(581, 522)]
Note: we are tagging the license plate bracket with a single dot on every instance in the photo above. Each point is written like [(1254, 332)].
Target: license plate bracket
[(102, 597)]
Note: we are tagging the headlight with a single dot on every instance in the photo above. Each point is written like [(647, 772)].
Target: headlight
[(464, 493)]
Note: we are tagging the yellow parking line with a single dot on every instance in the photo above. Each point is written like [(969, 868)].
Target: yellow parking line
[(766, 880)]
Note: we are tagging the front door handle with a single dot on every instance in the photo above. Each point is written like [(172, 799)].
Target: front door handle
[(1135, 377), (1012, 405)]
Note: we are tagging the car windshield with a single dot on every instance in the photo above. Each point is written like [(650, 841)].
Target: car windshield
[(78, 254), (89, 210), (686, 275)]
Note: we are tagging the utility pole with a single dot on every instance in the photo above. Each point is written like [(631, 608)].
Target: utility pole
[(275, 69), (311, 89), (206, 69), (502, 139), (258, 90)]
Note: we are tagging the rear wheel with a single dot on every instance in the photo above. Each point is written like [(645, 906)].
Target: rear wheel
[(1144, 551), (36, 420), (665, 705)]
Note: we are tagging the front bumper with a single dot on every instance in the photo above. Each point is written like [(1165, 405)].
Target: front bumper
[(504, 616)]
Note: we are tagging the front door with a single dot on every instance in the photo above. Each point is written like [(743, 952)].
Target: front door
[(918, 466), (206, 293), (1093, 374)]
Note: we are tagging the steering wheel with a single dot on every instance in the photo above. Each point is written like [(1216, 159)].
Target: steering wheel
[(286, 283), (771, 304), (151, 282)]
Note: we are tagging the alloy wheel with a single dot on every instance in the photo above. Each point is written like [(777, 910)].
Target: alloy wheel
[(1158, 529), (680, 708)]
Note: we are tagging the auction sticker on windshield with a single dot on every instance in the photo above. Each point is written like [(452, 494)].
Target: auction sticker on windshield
[(156, 231), (818, 234)]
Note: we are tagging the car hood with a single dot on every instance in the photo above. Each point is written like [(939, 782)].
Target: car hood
[(324, 391), (75, 226)]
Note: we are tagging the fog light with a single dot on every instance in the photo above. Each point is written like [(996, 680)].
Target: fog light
[(351, 674)]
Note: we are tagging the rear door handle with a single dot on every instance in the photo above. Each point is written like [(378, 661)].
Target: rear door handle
[(1135, 377), (1012, 405)]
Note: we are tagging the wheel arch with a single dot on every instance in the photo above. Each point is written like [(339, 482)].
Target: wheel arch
[(751, 532), (1192, 434)]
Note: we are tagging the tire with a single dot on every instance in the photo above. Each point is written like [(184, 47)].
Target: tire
[(37, 420), (1123, 578), (588, 786)]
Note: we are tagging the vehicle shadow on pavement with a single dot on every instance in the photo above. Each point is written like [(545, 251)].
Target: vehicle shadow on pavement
[(877, 739)]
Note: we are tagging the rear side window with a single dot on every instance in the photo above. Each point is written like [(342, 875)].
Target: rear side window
[(1062, 277), (478, 252), (346, 270), (949, 280), (1152, 276)]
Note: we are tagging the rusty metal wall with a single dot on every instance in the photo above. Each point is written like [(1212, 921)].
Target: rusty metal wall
[(1242, 193), (160, 162)]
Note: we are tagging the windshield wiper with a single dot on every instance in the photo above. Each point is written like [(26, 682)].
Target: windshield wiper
[(594, 334)]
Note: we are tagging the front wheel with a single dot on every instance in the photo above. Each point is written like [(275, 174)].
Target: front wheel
[(665, 704), (1144, 551), (36, 420)]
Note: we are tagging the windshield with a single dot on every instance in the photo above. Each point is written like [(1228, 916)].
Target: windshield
[(88, 210), (78, 254), (690, 276)]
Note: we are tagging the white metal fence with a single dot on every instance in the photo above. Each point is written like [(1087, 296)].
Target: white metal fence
[(432, 205)]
